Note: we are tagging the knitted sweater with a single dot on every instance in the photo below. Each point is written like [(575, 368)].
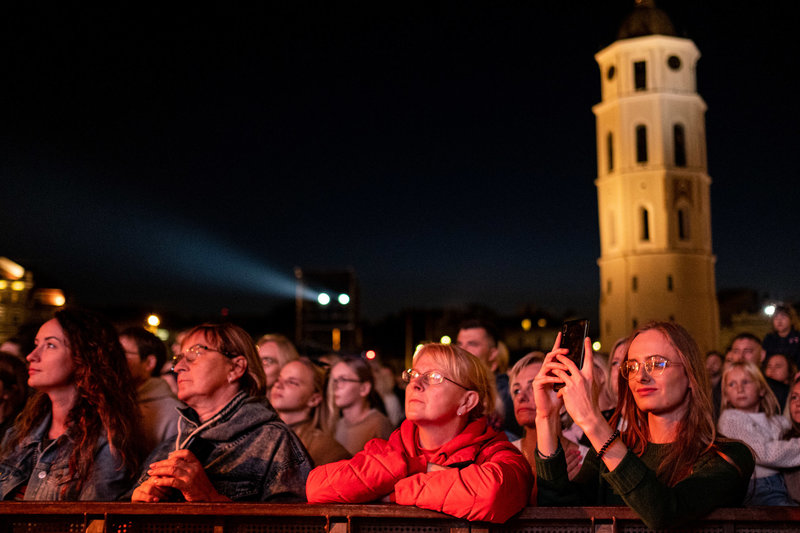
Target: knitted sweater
[(765, 436)]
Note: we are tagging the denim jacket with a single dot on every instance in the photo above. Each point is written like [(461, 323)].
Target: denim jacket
[(248, 453), (44, 467)]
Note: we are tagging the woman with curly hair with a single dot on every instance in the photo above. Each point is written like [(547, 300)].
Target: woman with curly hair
[(76, 438)]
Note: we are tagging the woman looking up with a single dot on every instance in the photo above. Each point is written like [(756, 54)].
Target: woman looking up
[(667, 464), (78, 433), (445, 456), (297, 398), (230, 445)]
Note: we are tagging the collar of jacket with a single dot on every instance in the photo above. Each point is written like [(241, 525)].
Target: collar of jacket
[(462, 447)]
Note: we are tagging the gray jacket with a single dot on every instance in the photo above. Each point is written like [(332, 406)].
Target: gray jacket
[(44, 466), (248, 453)]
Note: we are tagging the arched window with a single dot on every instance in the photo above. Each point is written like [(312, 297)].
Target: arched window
[(645, 234), (679, 140), (610, 147), (641, 143), (669, 282), (635, 284)]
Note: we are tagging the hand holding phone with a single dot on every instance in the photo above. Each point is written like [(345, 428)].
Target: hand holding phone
[(573, 334)]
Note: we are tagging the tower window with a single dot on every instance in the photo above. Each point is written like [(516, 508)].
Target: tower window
[(640, 75), (683, 224), (669, 283), (645, 235), (610, 147), (679, 140), (635, 323), (608, 287), (635, 283), (641, 143)]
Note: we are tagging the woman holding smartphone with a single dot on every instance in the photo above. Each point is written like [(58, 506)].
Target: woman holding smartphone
[(667, 464)]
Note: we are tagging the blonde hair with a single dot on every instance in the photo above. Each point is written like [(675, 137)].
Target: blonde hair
[(466, 370), (527, 360), (286, 350), (768, 403)]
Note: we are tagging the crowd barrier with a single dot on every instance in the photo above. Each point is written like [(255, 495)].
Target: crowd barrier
[(99, 517)]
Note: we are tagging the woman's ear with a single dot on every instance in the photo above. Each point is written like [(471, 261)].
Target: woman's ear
[(314, 400), (364, 389), (468, 401), (238, 369)]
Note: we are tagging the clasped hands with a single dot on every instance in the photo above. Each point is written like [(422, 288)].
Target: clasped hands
[(180, 471)]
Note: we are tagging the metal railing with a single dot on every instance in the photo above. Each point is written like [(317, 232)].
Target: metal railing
[(100, 517)]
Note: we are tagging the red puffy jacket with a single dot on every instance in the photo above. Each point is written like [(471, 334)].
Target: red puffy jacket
[(488, 478)]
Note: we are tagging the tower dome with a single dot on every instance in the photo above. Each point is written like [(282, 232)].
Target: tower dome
[(646, 19)]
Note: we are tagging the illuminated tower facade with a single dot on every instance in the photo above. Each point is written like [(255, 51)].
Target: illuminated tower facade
[(652, 184)]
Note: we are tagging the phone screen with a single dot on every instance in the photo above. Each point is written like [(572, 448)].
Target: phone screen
[(573, 333)]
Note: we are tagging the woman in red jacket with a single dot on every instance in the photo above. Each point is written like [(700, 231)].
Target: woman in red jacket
[(445, 456)]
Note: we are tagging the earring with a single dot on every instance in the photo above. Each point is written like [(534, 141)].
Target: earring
[(460, 411)]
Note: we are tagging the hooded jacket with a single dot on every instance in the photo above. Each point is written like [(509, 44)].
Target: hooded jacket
[(485, 476), (247, 452)]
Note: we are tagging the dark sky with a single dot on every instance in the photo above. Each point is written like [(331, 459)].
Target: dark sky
[(190, 159)]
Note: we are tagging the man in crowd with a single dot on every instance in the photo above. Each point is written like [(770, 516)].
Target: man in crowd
[(747, 347), (481, 339), (146, 354)]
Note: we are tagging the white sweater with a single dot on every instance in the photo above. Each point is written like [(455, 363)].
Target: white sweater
[(764, 436)]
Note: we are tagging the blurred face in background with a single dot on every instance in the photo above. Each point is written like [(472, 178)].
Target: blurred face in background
[(778, 368), (270, 359)]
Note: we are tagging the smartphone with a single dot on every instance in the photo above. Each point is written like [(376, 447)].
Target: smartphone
[(573, 333)]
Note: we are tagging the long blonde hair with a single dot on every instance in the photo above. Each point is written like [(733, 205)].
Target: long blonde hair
[(768, 402)]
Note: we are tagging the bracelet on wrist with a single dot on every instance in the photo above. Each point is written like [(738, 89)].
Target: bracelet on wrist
[(608, 443)]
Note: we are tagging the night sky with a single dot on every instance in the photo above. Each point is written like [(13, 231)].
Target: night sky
[(188, 160)]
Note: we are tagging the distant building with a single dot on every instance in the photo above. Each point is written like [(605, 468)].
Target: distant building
[(652, 183), (19, 301)]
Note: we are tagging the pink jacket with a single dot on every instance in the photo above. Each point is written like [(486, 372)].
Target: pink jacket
[(488, 478)]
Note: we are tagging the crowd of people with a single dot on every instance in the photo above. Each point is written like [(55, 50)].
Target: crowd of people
[(93, 413)]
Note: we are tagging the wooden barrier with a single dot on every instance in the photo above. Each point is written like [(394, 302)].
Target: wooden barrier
[(99, 517)]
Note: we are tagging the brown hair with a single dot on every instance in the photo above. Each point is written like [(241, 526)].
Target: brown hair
[(697, 430), (231, 340), (106, 402)]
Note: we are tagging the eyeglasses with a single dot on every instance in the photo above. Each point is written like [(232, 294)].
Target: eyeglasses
[(654, 364), (432, 377), (193, 352), (338, 381)]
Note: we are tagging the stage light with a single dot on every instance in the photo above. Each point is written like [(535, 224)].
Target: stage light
[(445, 339), (323, 298), (344, 299)]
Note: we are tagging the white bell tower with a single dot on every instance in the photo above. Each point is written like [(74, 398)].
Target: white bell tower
[(652, 184)]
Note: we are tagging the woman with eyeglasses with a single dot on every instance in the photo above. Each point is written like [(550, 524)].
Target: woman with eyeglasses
[(355, 405), (668, 464), (445, 456), (231, 445), (76, 438)]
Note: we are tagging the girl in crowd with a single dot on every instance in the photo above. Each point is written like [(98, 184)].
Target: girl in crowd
[(667, 464), (297, 397), (444, 457), (275, 350), (78, 433), (780, 368), (750, 413), (231, 446), (356, 402)]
